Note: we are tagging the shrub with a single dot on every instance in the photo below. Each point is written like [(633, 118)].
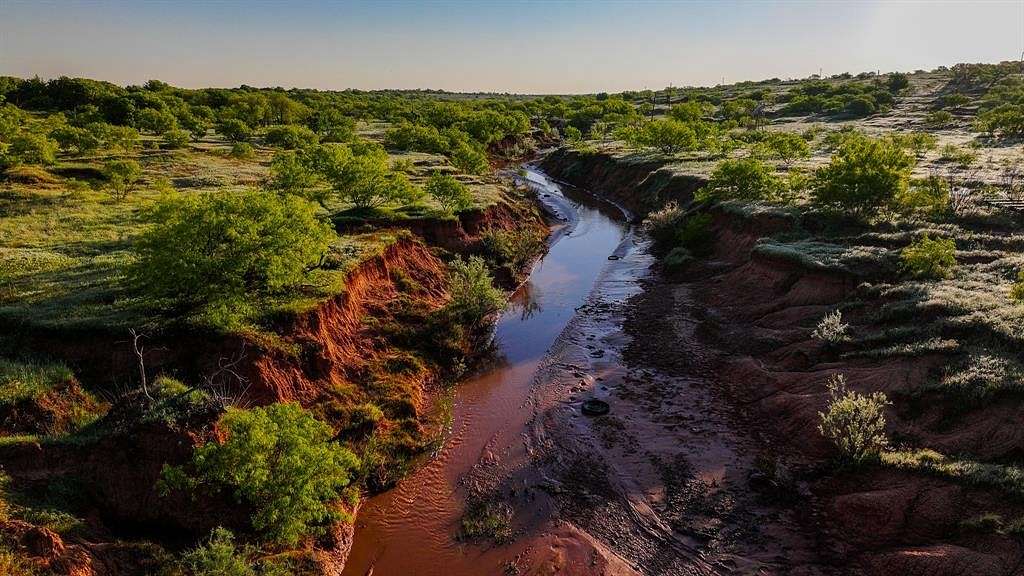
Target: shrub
[(516, 247), (242, 151), (30, 148), (221, 247), (80, 140), (473, 295), (290, 175), (854, 423), (741, 179), (928, 196), (831, 329), (661, 225), (123, 138), (469, 159), (218, 556), (234, 130), (928, 258), (1017, 290), (695, 234), (938, 119), (785, 146), (155, 121), (920, 143), (367, 181), (176, 138), (290, 136), (897, 82), (122, 177), (282, 462), (453, 195), (668, 136), (864, 174), (956, 155)]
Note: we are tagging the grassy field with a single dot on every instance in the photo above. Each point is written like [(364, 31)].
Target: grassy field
[(65, 241)]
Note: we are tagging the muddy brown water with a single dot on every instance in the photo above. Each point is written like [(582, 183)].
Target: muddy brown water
[(413, 528)]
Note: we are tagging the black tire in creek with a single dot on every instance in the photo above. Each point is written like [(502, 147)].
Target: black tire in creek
[(594, 407)]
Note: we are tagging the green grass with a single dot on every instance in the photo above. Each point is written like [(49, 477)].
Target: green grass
[(65, 246), (1009, 479), (21, 381)]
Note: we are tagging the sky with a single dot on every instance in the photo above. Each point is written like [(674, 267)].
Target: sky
[(495, 46)]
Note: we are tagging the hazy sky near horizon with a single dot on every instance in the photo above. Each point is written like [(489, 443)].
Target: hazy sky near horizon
[(535, 47)]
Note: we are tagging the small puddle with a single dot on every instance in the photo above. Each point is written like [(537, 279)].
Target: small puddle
[(412, 528)]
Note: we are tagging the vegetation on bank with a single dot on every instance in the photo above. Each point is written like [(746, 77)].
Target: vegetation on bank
[(921, 212)]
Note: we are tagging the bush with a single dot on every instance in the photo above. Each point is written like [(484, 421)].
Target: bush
[(218, 556), (1017, 290), (928, 196), (927, 258), (695, 234), (453, 195), (854, 423), (864, 174), (785, 146), (30, 148), (290, 175), (242, 151), (279, 460), (234, 130), (956, 155), (470, 160), (741, 179), (290, 137), (176, 138), (516, 247), (367, 181), (122, 177), (473, 295), (897, 82), (80, 140), (155, 121), (938, 119), (661, 225), (205, 248), (831, 329), (668, 136)]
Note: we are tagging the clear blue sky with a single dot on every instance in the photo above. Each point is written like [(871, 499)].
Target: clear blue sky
[(495, 46)]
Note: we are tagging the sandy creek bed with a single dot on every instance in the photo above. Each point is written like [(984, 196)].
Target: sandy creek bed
[(660, 485)]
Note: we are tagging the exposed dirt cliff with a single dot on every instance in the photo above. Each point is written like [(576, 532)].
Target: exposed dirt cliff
[(755, 311)]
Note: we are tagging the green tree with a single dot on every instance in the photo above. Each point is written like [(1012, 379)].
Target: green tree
[(367, 181), (290, 175), (741, 179), (234, 130), (122, 177), (30, 148), (864, 174), (282, 462), (669, 136), (219, 248), (123, 138), (78, 139), (453, 195), (290, 137), (691, 111), (155, 121)]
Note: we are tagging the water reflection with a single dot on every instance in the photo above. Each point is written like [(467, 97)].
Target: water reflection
[(526, 301)]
